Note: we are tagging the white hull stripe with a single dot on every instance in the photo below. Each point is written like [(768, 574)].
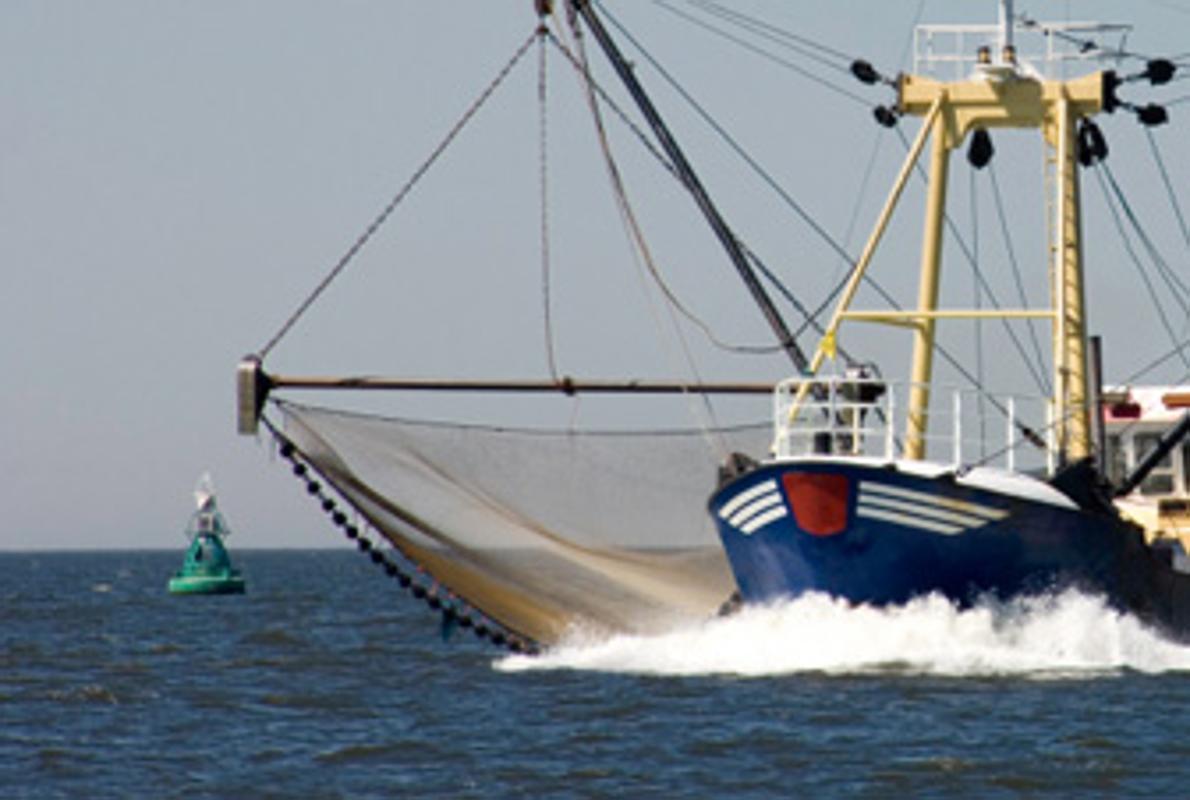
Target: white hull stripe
[(751, 510), (868, 488), (760, 520), (920, 511), (740, 499), (760, 504), (907, 521)]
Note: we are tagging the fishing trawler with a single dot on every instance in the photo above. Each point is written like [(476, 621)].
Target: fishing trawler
[(207, 568), (853, 506), (869, 490)]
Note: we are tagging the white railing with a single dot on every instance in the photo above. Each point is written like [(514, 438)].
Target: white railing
[(950, 52), (866, 417)]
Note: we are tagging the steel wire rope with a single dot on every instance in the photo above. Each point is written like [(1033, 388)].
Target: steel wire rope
[(383, 216), (1179, 290), (763, 174), (778, 34), (603, 95), (1169, 190), (783, 290), (1157, 362), (543, 180), (733, 143), (814, 225), (1173, 199), (977, 298), (1018, 278), (773, 279), (639, 248), (805, 73), (846, 261), (945, 354), (1036, 371), (1139, 266)]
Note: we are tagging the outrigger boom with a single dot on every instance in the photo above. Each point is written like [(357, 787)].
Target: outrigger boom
[(253, 386)]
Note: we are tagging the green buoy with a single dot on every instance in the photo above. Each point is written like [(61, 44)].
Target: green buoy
[(207, 568)]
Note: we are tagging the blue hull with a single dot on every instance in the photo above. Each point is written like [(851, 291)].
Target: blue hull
[(873, 533)]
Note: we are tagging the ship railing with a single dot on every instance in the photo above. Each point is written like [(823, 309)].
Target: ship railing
[(849, 416), (950, 52)]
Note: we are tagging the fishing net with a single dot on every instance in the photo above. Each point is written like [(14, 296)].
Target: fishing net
[(544, 531)]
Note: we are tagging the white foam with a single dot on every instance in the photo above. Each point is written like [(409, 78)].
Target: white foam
[(1068, 635)]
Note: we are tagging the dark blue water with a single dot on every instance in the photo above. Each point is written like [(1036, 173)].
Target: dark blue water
[(325, 681)]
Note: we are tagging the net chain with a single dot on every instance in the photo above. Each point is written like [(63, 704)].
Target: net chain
[(454, 611)]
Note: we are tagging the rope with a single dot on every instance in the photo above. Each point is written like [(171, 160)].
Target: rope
[(780, 191), (604, 96), (774, 32), (733, 144), (398, 197), (1034, 370), (640, 249), (1152, 365), (1099, 174), (814, 225), (1176, 288), (543, 176), (1030, 325), (713, 338), (978, 304), (758, 51), (1173, 198)]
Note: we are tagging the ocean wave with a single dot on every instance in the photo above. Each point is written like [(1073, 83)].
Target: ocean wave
[(1066, 635)]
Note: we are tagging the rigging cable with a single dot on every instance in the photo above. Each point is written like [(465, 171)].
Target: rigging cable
[(816, 227), (543, 179), (731, 142), (640, 248), (593, 86), (776, 34), (1034, 370), (1037, 376), (1157, 362), (1140, 267), (978, 301), (1173, 198), (810, 76), (689, 179), (1030, 325), (383, 216), (846, 260), (1179, 290)]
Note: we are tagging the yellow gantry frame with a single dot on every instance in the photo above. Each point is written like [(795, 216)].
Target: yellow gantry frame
[(1003, 99)]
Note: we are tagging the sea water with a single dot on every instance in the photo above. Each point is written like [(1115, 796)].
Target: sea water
[(324, 680)]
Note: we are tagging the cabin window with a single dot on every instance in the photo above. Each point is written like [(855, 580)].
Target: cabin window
[(1161, 479)]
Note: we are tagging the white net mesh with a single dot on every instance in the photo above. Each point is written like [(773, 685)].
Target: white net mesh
[(541, 530)]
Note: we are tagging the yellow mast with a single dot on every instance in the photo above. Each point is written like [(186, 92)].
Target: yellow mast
[(998, 96)]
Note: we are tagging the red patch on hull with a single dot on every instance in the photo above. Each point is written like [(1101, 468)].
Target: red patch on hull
[(819, 501)]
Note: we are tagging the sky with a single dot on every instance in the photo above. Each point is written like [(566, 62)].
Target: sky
[(176, 177)]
